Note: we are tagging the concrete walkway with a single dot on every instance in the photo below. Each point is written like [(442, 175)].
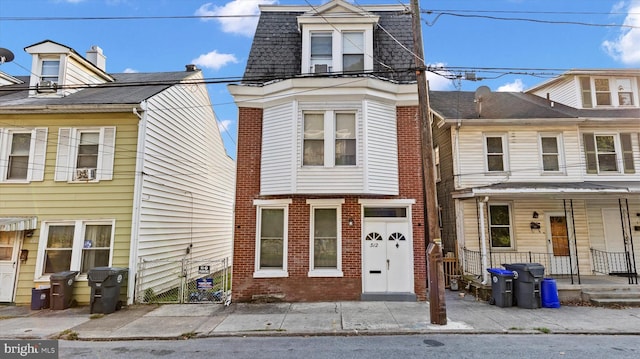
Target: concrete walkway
[(464, 315)]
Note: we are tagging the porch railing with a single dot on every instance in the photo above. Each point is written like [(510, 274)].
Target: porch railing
[(554, 265), (614, 263)]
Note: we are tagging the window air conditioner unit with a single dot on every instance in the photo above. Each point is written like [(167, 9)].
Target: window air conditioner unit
[(320, 68), (47, 86), (85, 174)]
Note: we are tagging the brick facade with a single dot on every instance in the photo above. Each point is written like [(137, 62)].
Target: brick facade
[(298, 286)]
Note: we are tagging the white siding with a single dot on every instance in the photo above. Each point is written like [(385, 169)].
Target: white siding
[(79, 74), (523, 151), (565, 91), (278, 149), (381, 151), (339, 179), (188, 179)]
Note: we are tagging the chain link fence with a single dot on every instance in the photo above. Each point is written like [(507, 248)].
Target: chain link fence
[(183, 281)]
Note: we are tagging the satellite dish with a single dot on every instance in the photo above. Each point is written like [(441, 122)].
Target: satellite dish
[(481, 92), (5, 55)]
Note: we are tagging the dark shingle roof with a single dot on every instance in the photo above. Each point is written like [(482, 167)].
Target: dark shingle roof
[(129, 88), (496, 105), (277, 48)]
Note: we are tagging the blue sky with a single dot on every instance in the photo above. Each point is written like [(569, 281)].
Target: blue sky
[(459, 35)]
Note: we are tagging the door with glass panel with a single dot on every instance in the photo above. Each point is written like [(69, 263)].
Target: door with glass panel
[(8, 264), (387, 256)]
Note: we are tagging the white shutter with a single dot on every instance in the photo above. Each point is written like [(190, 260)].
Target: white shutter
[(4, 153), (107, 151), (36, 165), (63, 162)]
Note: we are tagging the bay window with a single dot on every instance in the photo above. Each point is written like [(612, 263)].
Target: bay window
[(329, 139)]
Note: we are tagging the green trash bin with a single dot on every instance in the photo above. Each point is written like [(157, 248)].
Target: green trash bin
[(105, 285)]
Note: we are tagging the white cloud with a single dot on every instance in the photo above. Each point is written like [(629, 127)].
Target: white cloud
[(438, 78), (626, 47), (243, 25), (515, 86), (213, 60), (129, 70), (224, 125)]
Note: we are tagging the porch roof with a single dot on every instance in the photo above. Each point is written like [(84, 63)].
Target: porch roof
[(566, 190), (10, 224)]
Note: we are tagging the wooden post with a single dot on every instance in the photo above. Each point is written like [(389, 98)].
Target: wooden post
[(435, 269)]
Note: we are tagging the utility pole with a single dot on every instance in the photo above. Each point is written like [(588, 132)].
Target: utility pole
[(435, 269)]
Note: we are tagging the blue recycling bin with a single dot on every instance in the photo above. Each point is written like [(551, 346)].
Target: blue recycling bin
[(501, 287), (549, 293)]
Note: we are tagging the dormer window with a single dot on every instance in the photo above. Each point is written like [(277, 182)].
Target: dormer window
[(321, 52), (608, 92), (353, 52), (50, 71)]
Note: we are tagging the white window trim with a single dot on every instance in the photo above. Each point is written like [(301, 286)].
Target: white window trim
[(330, 138), (511, 224), (613, 91), (505, 154), (562, 168), (67, 153), (78, 242), (328, 204), (336, 29), (272, 204), (437, 164), (37, 153)]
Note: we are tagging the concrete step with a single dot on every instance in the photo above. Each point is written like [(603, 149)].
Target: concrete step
[(615, 302), (613, 294)]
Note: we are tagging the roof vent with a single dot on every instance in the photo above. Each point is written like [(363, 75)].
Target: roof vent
[(191, 67)]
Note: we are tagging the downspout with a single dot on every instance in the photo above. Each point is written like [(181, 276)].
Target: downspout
[(137, 201), (483, 241), (456, 165)]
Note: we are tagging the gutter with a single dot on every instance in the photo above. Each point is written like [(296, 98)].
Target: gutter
[(137, 200)]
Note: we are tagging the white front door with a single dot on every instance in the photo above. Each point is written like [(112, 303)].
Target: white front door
[(387, 256), (558, 241), (8, 264)]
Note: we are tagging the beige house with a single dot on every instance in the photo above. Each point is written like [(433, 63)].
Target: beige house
[(101, 169)]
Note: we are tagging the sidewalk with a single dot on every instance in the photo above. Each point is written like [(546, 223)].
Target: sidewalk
[(171, 321)]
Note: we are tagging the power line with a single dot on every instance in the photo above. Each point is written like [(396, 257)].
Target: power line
[(439, 14)]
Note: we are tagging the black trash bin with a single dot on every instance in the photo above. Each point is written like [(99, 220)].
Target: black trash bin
[(527, 283), (105, 285), (39, 298), (62, 289), (501, 287)]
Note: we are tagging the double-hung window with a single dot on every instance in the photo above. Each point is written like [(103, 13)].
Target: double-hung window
[(608, 153), (550, 152), (19, 156), (321, 52), (50, 71), (85, 154), (608, 91), (74, 246), (496, 154), (271, 238), (329, 139), (353, 52), (22, 154), (500, 225), (325, 238)]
